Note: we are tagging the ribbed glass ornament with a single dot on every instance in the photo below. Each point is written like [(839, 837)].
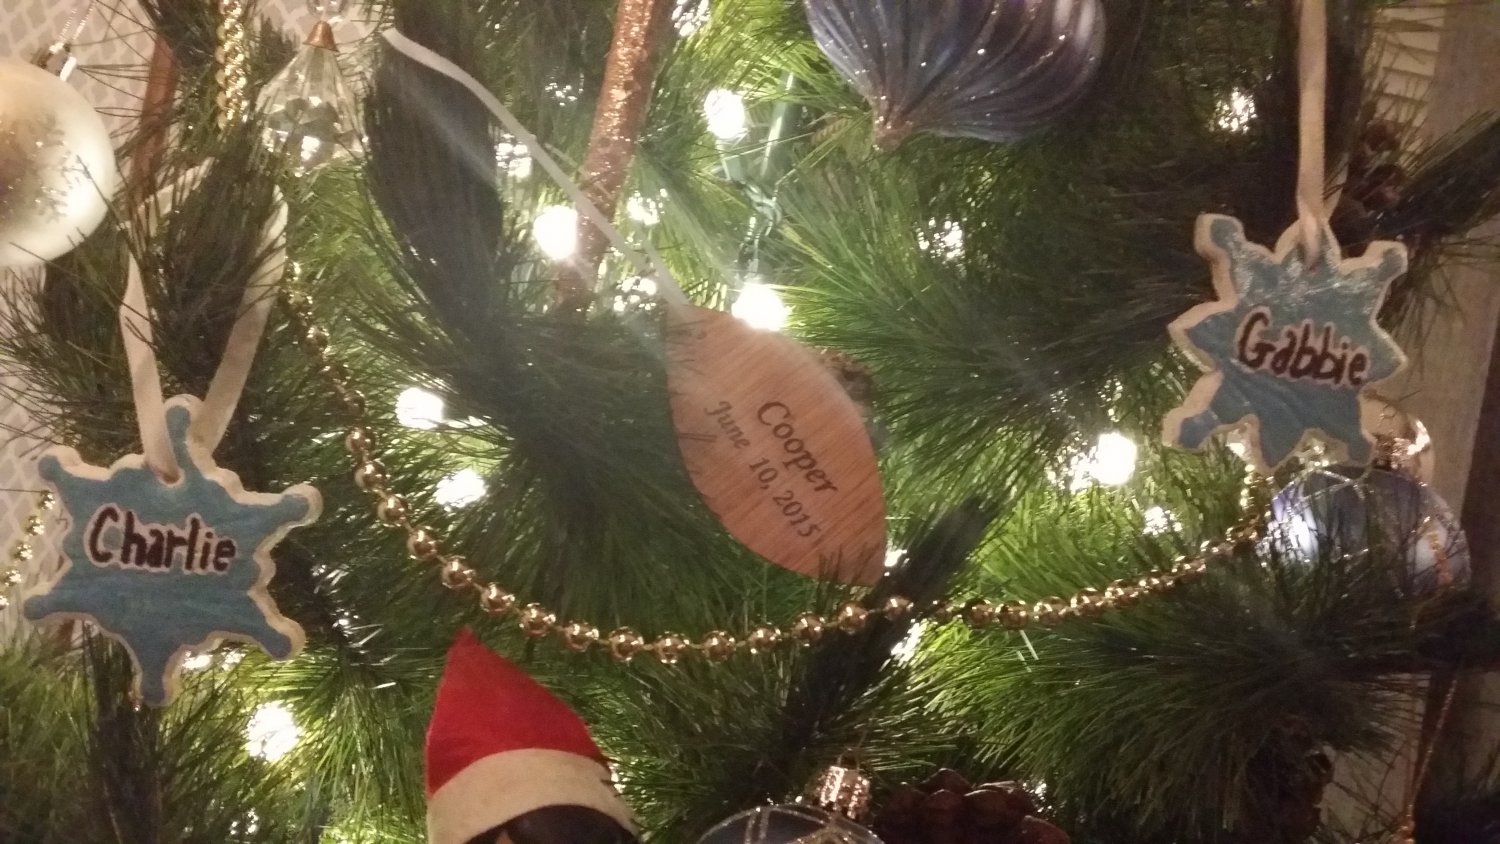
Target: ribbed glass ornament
[(997, 70)]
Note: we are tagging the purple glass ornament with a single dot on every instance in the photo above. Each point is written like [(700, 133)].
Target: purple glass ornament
[(1346, 510), (997, 70)]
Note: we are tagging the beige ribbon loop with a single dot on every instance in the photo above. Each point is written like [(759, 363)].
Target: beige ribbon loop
[(1312, 71), (145, 380), (228, 383)]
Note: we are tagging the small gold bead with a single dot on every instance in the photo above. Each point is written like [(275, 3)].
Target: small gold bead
[(1190, 570), (352, 399), (370, 476), (457, 575), (1013, 616), (35, 525), (578, 636), (1049, 613), (1244, 537), (359, 440), (333, 370), (980, 613), (300, 303), (897, 607), (852, 617), (670, 648), (316, 338), (943, 612), (763, 639), (392, 510), (10, 577), (718, 645), (1121, 593), (809, 628), (22, 552), (47, 500), (1152, 583), (536, 620), (625, 644), (496, 601), (423, 544), (1090, 603), (4, 603)]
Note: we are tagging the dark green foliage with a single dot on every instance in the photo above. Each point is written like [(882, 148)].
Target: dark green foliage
[(1179, 720)]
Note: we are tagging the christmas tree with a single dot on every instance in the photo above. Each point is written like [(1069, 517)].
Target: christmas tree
[(483, 392)]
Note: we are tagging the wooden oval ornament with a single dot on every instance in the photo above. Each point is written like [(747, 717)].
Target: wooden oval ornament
[(776, 447)]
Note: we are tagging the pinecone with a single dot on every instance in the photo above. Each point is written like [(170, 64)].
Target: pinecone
[(948, 809), (852, 375)]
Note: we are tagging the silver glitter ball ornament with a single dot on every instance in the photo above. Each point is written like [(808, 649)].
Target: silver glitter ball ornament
[(997, 70), (57, 166)]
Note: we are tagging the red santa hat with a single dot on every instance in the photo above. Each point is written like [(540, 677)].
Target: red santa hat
[(500, 746)]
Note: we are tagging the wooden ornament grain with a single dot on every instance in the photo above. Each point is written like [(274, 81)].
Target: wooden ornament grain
[(776, 447)]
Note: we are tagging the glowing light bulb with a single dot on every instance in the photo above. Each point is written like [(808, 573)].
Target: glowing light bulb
[(556, 232), (894, 556), (272, 732), (643, 209), (907, 647), (460, 489), (759, 306), (635, 292), (946, 240), (726, 114), (1159, 520), (419, 408), (689, 16), (514, 158), (1114, 459), (1235, 113)]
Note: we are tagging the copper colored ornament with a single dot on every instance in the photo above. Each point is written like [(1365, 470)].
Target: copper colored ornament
[(776, 448)]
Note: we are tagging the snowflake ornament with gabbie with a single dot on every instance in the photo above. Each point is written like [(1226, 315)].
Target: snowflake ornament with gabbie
[(1288, 349), (169, 567)]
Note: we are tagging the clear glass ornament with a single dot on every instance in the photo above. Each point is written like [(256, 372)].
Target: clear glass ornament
[(329, 10), (788, 824), (308, 111), (841, 793)]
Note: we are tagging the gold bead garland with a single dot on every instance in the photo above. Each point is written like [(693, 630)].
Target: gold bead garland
[(624, 644), (22, 551), (232, 57)]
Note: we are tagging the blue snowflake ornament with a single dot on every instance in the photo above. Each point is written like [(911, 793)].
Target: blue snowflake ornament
[(1288, 350), (169, 568)]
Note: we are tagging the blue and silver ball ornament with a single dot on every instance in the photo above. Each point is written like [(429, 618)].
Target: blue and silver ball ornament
[(1342, 510), (997, 70)]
